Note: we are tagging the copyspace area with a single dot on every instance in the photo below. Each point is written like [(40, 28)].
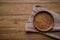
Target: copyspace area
[(14, 15)]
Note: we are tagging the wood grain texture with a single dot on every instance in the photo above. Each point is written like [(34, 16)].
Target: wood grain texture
[(29, 0), (14, 15), (25, 8)]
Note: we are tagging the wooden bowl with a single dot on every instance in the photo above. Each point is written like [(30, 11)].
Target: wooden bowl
[(43, 21)]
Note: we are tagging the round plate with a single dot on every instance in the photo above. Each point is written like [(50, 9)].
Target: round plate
[(43, 21)]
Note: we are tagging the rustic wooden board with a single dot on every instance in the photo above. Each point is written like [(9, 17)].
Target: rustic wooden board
[(29, 0), (14, 15), (25, 8)]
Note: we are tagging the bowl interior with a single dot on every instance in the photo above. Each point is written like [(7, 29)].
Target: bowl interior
[(43, 21)]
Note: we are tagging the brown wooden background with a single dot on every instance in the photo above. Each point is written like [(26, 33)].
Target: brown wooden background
[(14, 15)]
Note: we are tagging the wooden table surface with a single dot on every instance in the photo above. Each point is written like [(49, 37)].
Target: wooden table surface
[(14, 15)]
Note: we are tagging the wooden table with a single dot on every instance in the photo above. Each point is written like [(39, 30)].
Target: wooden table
[(14, 15)]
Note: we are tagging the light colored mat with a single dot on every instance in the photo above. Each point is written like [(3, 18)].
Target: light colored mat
[(30, 27)]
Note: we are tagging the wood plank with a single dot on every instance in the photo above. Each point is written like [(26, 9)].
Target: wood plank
[(25, 8), (12, 23), (23, 35), (11, 17), (11, 29), (15, 9), (13, 20), (29, 0)]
